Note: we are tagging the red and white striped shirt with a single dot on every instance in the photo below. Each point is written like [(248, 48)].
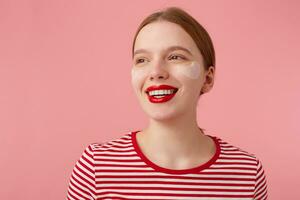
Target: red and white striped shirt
[(118, 169)]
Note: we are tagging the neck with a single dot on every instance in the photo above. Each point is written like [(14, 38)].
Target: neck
[(179, 136)]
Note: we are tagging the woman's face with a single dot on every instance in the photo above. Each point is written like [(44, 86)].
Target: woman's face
[(165, 54)]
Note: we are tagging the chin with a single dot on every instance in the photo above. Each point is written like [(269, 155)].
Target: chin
[(161, 115)]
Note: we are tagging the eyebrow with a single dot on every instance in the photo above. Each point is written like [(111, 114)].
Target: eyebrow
[(171, 48)]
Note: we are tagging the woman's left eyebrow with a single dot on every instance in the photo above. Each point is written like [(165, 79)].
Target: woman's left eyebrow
[(173, 48)]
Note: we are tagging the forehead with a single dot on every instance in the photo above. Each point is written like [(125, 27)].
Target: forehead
[(160, 35)]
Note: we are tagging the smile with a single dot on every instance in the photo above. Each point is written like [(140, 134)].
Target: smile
[(160, 96)]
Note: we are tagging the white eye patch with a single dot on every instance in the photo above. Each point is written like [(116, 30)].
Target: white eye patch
[(192, 70), (139, 73)]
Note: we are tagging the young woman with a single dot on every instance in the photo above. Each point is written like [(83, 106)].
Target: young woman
[(172, 158)]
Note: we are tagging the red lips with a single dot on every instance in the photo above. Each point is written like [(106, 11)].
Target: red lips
[(166, 97), (160, 87)]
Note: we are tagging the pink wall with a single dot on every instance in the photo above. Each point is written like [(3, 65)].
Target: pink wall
[(65, 82)]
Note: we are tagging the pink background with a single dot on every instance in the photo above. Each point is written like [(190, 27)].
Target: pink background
[(65, 83)]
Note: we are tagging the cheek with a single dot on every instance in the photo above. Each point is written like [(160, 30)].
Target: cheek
[(191, 71), (137, 76)]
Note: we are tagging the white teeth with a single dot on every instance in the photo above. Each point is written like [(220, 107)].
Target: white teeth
[(158, 97), (161, 92)]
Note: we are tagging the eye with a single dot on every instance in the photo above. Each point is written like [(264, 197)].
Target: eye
[(176, 57), (139, 60)]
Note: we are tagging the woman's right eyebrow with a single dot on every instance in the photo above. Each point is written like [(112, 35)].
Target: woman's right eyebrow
[(140, 51)]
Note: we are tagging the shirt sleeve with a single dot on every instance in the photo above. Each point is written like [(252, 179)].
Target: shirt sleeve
[(261, 189), (82, 184)]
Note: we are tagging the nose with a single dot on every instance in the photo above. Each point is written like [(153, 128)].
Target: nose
[(158, 71)]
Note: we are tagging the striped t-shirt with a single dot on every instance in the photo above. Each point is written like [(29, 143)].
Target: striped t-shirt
[(118, 169)]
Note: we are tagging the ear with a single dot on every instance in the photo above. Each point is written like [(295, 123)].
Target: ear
[(209, 80)]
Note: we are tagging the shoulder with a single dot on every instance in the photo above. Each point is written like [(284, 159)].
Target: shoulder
[(229, 150), (121, 141), (247, 162), (234, 155)]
